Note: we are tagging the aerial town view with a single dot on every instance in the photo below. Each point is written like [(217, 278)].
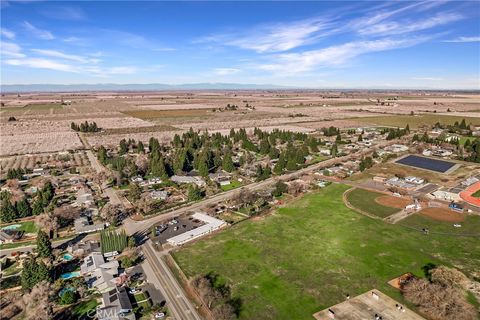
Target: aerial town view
[(240, 160)]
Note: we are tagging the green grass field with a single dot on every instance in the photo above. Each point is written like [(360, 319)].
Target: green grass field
[(476, 194), (85, 308), (470, 226), (233, 185), (416, 121), (365, 201), (308, 255)]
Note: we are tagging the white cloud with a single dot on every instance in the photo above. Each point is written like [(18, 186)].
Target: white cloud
[(333, 56), (64, 13), (36, 32), (58, 54), (7, 33), (464, 39), (41, 63), (394, 27), (427, 78), (225, 71), (274, 37), (11, 50)]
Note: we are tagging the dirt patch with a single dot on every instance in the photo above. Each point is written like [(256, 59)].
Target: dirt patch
[(443, 214), (393, 202), (137, 217)]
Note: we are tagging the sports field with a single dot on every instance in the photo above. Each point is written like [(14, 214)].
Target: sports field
[(370, 202), (307, 256)]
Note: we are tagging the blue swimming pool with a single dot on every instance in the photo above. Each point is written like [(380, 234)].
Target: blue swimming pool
[(67, 257), (70, 275), (12, 227), (426, 163)]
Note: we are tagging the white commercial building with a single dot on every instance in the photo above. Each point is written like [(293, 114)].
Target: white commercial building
[(211, 224)]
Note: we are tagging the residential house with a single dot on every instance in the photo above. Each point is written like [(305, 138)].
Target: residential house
[(221, 177), (188, 179), (159, 194), (115, 305), (8, 236), (83, 225)]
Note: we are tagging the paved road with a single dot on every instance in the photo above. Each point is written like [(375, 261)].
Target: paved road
[(157, 271), (132, 226), (30, 247)]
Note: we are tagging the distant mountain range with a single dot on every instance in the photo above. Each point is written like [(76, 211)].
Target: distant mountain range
[(8, 88)]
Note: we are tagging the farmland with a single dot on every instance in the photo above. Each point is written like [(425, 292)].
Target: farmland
[(307, 256)]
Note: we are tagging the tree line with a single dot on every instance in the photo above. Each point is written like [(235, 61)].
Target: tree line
[(85, 127)]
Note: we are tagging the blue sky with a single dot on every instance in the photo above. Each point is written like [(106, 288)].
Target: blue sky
[(338, 44)]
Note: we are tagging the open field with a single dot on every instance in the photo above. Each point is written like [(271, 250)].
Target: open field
[(307, 256), (470, 225), (371, 202), (443, 214), (76, 159), (43, 123), (160, 114)]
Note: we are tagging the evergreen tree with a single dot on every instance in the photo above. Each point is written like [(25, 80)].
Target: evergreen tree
[(134, 192), (140, 147), (334, 150), (227, 163), (34, 272), (44, 246), (280, 188), (8, 212), (23, 208), (194, 193), (102, 155), (360, 138)]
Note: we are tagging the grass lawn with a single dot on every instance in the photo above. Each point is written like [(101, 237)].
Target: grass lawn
[(233, 185), (27, 226), (83, 308), (365, 201), (308, 255), (470, 226), (476, 194), (416, 121), (11, 269), (139, 297)]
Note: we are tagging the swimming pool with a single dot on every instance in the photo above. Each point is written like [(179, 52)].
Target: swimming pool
[(12, 227), (67, 257), (70, 275), (426, 163)]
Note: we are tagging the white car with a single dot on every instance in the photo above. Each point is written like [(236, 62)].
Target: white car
[(456, 225), (159, 315)]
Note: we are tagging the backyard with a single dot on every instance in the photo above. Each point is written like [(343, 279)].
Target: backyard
[(309, 255)]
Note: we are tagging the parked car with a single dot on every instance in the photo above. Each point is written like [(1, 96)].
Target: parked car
[(159, 315)]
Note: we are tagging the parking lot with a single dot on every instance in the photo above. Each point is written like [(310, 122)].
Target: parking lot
[(174, 227)]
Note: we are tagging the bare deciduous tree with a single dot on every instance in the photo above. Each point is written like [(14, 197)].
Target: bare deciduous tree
[(38, 303), (112, 213), (439, 301)]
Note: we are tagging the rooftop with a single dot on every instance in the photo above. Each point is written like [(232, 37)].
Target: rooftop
[(365, 306)]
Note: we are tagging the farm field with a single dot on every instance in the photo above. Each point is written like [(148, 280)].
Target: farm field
[(368, 202), (160, 114), (307, 256), (416, 121)]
